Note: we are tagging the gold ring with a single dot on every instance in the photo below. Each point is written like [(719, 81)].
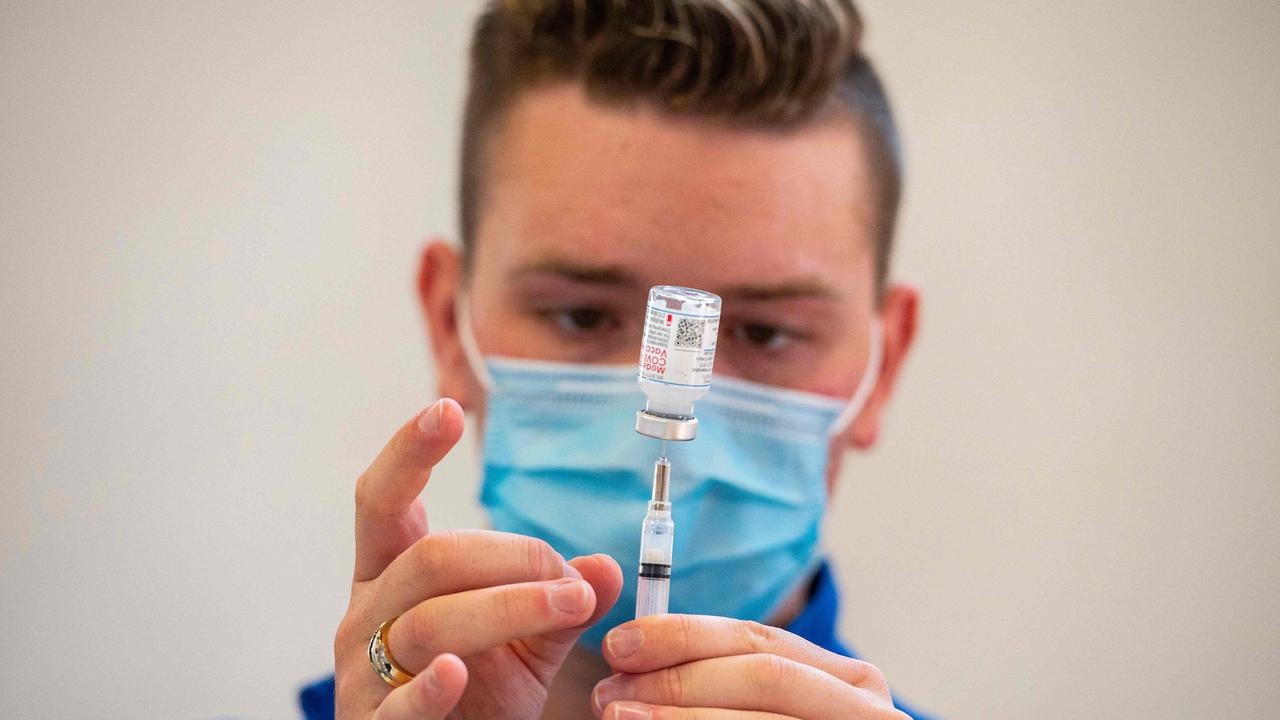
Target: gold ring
[(382, 661)]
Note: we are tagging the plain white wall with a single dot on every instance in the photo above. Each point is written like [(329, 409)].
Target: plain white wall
[(210, 215)]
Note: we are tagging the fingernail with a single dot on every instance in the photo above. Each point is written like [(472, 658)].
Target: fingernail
[(569, 596), (571, 571), (607, 691), (631, 711), (623, 642), (429, 420)]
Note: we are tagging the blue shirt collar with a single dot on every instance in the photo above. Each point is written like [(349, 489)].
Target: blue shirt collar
[(817, 622)]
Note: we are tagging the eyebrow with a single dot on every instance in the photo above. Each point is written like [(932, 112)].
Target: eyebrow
[(592, 274), (799, 289), (613, 275)]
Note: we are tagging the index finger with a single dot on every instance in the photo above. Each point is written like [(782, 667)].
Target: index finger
[(388, 520), (661, 641)]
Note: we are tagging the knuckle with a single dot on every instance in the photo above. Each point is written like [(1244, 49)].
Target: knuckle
[(771, 671), (437, 552), (353, 628), (363, 490), (675, 682), (343, 637), (507, 604), (756, 637), (870, 675), (686, 628), (542, 560)]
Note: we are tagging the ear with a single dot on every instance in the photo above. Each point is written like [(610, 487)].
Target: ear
[(899, 314), (439, 280)]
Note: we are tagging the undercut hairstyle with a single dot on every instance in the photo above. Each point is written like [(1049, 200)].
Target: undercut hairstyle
[(754, 64)]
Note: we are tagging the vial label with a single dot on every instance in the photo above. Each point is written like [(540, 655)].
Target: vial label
[(679, 348)]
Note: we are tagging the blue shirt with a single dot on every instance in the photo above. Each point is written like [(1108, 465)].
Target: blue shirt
[(817, 624)]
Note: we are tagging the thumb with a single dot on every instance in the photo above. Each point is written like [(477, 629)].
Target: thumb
[(547, 652)]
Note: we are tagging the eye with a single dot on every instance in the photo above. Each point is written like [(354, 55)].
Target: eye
[(764, 337), (580, 320)]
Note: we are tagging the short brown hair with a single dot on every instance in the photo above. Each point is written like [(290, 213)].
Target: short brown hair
[(748, 63)]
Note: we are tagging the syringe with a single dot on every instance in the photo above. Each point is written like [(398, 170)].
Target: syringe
[(656, 536)]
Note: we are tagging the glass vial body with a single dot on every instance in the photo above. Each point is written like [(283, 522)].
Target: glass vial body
[(678, 350)]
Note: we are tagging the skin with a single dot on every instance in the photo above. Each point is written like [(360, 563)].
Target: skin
[(585, 208)]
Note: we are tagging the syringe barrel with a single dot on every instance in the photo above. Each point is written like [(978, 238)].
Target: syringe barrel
[(657, 536), (651, 596)]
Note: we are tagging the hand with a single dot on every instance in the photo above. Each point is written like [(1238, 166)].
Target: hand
[(687, 667), (484, 619)]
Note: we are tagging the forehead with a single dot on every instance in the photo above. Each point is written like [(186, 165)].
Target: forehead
[(674, 200)]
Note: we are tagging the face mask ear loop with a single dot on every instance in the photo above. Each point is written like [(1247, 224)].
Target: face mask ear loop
[(467, 338), (866, 385)]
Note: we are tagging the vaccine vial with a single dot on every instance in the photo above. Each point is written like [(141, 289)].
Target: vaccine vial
[(676, 357)]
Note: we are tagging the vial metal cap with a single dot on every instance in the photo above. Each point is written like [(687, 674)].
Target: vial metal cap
[(666, 428)]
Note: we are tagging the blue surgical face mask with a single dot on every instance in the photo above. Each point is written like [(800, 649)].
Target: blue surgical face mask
[(562, 462)]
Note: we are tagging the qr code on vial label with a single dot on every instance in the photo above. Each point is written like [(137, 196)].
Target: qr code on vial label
[(689, 333)]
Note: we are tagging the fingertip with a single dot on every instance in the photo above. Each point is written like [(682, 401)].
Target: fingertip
[(436, 430), (625, 710), (610, 571), (601, 570), (599, 565), (608, 560), (572, 597), (605, 577), (620, 644), (429, 418), (451, 409), (581, 561), (443, 418), (444, 679), (450, 669)]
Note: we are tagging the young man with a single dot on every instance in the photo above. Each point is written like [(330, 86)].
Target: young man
[(744, 147)]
